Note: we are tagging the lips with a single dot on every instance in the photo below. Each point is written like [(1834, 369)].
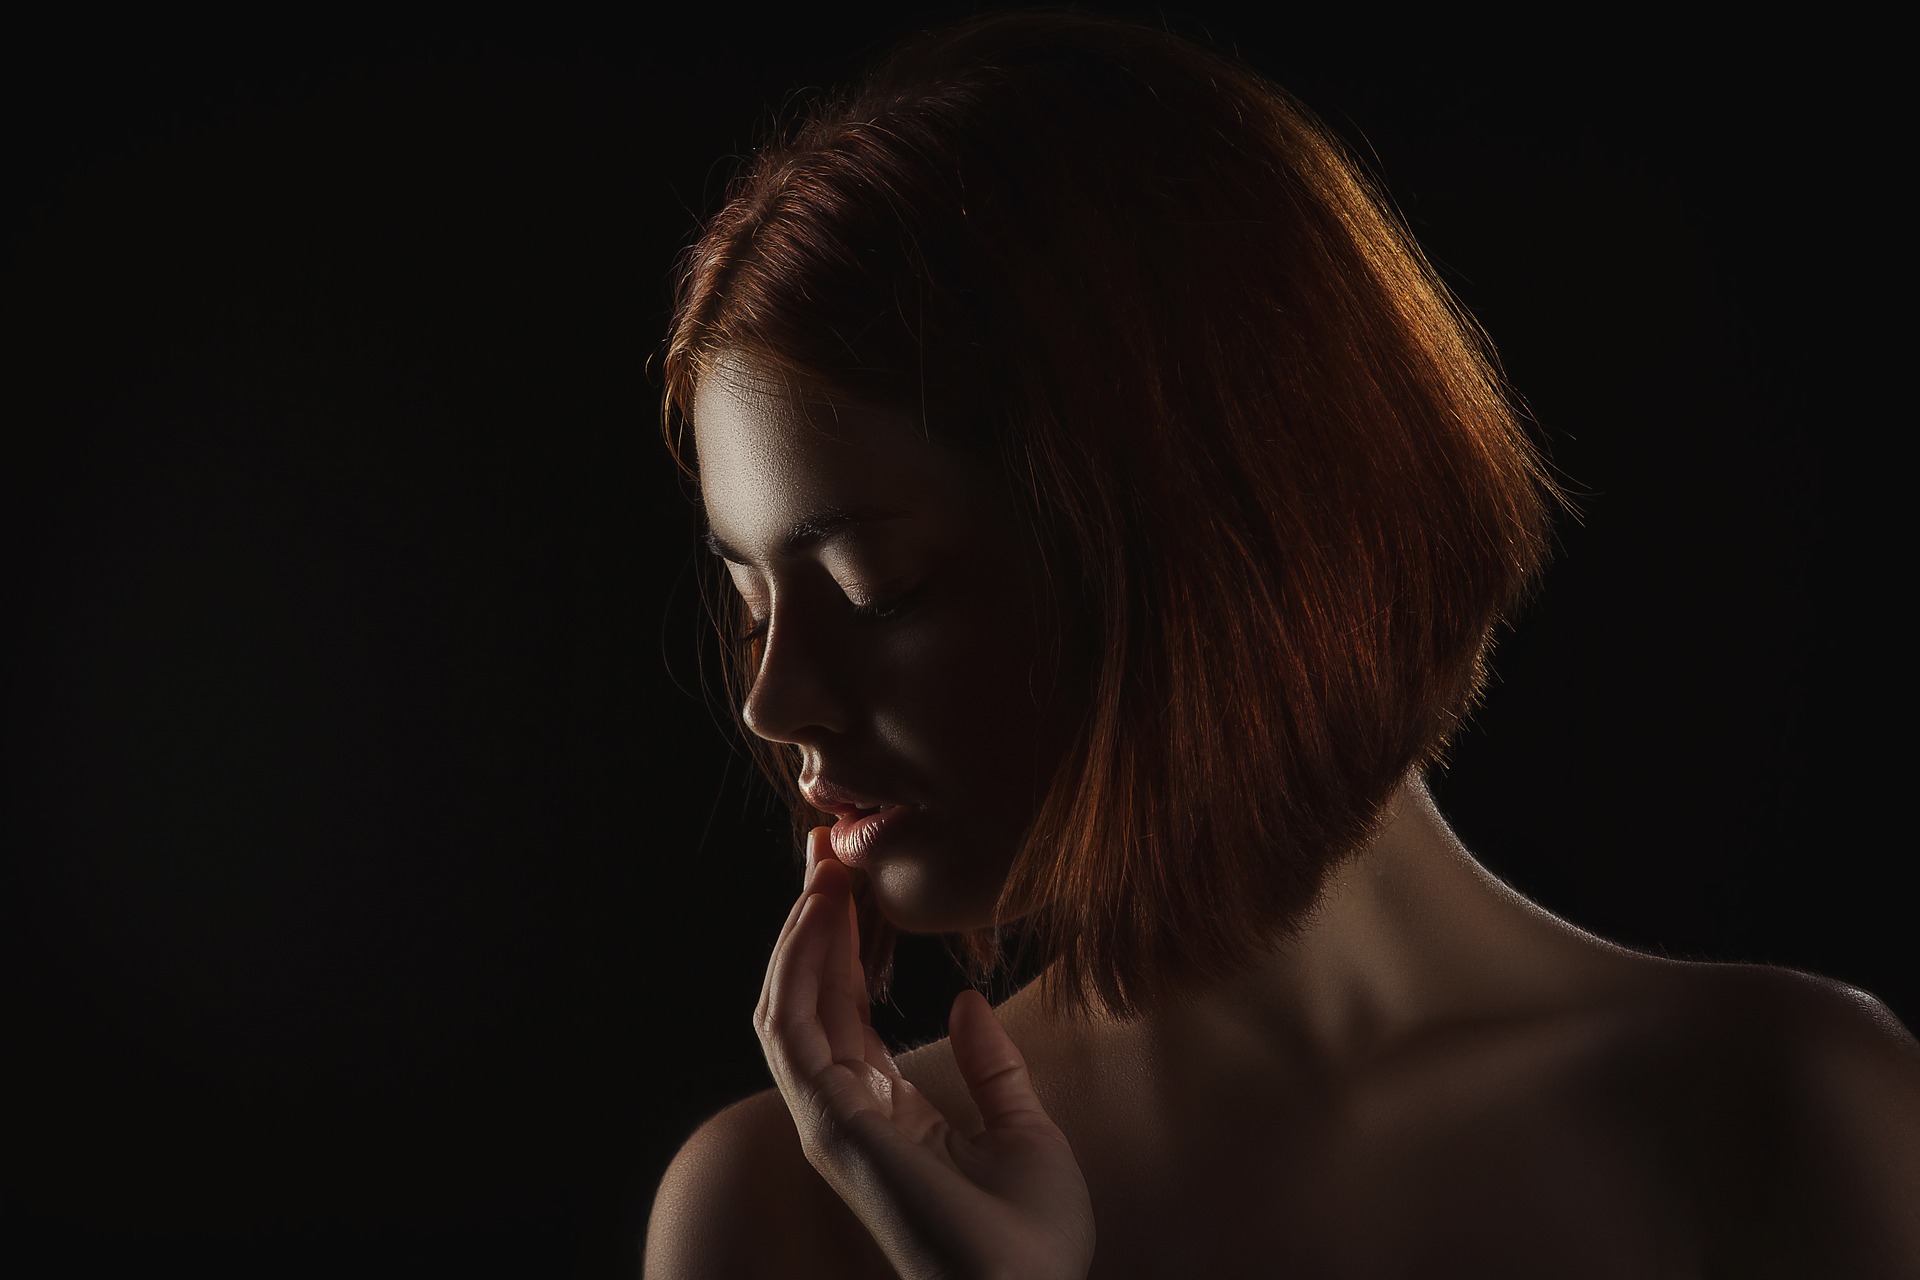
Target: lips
[(842, 801), (857, 841)]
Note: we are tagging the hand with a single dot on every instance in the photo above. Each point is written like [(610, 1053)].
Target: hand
[(1009, 1204)]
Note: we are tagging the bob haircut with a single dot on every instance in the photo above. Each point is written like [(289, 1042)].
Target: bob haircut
[(1270, 467)]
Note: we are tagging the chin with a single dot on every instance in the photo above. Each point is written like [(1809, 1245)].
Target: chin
[(914, 901)]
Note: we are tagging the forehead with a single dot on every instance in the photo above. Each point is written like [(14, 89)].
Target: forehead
[(769, 458)]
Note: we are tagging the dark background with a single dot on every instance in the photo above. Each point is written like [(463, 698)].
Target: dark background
[(380, 897)]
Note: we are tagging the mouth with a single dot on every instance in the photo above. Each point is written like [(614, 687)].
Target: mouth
[(859, 832), (855, 811), (853, 814)]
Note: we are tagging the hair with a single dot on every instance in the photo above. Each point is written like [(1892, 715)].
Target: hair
[(1271, 469)]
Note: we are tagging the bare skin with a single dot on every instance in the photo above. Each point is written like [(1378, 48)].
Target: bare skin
[(1441, 1078), (1435, 1078)]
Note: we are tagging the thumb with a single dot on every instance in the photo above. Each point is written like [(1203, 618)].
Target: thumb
[(995, 1073)]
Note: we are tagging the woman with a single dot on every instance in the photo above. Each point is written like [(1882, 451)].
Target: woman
[(1118, 512)]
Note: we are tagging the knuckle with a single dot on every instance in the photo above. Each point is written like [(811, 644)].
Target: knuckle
[(784, 1027), (823, 1139), (775, 1023)]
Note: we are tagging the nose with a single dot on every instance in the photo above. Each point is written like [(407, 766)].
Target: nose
[(800, 692)]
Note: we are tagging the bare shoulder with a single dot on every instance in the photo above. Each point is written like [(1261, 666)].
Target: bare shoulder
[(740, 1202), (1808, 1035), (1847, 1069), (1801, 1099)]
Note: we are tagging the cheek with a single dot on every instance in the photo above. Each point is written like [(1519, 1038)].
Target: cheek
[(955, 684), (961, 705), (960, 717)]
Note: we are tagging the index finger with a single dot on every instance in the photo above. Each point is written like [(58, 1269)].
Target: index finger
[(817, 849)]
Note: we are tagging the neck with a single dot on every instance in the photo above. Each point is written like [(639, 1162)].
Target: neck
[(1410, 934)]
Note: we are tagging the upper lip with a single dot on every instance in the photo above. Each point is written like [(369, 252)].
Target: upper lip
[(831, 797)]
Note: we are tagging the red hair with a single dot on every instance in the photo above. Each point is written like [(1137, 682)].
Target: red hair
[(1269, 464)]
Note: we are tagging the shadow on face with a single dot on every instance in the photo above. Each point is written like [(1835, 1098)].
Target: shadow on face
[(900, 637)]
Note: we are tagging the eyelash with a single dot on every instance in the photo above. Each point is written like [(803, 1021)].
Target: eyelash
[(871, 612)]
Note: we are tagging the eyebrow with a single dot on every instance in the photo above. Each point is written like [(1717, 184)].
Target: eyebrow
[(812, 530)]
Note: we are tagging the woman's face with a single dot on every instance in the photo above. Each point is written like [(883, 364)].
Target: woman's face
[(943, 701)]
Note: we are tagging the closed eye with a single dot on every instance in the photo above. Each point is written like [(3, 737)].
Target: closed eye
[(871, 612), (902, 603), (891, 609)]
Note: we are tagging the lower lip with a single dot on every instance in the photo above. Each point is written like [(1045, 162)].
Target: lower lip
[(858, 840)]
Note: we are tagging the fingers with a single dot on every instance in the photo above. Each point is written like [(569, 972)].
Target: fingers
[(787, 1019), (843, 988), (816, 840), (845, 976), (995, 1071), (862, 918), (813, 1001)]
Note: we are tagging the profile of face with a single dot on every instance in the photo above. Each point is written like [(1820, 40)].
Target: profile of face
[(907, 646)]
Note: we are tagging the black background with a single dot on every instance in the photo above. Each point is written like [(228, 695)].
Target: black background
[(380, 897)]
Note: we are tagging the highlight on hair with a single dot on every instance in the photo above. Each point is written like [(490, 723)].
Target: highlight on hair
[(1270, 465)]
